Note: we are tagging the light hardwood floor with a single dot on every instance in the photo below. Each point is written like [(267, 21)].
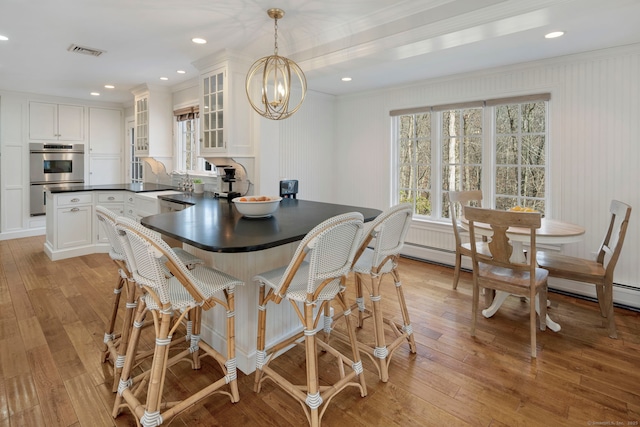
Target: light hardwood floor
[(52, 317)]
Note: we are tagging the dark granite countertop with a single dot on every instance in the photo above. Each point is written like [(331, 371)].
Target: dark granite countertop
[(216, 225), (136, 187)]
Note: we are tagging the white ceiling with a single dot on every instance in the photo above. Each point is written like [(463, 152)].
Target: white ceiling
[(376, 42)]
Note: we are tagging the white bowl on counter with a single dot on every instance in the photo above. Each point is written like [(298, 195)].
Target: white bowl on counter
[(257, 206)]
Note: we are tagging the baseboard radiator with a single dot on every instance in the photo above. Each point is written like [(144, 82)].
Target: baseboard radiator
[(624, 296)]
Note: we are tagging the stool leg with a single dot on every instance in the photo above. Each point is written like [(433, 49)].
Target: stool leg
[(314, 400), (195, 318), (158, 369), (110, 327), (127, 325), (359, 300), (260, 353), (125, 381), (231, 345), (405, 312), (380, 351), (357, 361)]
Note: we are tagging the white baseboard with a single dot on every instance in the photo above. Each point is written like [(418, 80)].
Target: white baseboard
[(30, 232), (624, 295)]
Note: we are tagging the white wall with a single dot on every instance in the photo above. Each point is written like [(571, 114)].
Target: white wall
[(594, 144)]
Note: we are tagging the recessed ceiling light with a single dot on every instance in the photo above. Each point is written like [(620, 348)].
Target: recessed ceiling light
[(198, 40), (554, 34), (164, 78), (181, 72), (95, 94), (4, 38), (109, 86), (346, 79)]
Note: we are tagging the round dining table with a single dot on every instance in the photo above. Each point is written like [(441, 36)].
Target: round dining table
[(551, 232)]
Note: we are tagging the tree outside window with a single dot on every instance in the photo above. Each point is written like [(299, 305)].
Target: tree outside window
[(461, 152), (450, 141), (520, 155), (414, 161), (188, 143)]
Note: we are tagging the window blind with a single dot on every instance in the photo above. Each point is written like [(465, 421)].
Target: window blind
[(472, 104)]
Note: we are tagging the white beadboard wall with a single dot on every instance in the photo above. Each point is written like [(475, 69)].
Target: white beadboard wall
[(339, 147)]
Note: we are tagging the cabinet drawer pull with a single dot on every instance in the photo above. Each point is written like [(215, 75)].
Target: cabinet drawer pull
[(75, 200), (111, 198), (75, 209)]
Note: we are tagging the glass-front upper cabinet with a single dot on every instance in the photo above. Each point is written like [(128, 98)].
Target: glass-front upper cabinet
[(154, 122), (212, 113), (142, 125), (226, 118)]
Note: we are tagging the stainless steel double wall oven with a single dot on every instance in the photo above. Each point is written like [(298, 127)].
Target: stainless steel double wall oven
[(53, 165)]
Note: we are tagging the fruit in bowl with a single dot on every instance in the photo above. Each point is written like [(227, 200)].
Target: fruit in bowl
[(522, 209), (257, 206)]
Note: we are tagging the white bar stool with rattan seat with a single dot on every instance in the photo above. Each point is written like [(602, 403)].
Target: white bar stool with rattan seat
[(315, 276), (115, 344), (377, 257), (171, 300)]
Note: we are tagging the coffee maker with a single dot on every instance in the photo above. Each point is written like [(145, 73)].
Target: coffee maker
[(229, 178)]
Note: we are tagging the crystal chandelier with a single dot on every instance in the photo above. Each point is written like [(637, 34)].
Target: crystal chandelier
[(274, 99)]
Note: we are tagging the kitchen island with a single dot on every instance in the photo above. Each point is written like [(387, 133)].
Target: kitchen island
[(71, 226), (215, 231)]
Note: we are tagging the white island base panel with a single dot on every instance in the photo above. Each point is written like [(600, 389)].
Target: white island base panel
[(281, 318)]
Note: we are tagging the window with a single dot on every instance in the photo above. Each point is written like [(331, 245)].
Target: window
[(461, 142), (187, 141), (520, 138), (188, 145), (414, 153), (497, 146), (135, 163)]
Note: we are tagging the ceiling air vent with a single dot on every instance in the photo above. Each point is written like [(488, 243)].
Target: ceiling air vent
[(85, 50)]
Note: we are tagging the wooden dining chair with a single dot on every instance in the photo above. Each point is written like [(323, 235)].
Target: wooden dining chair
[(457, 200), (314, 277), (497, 270), (598, 272)]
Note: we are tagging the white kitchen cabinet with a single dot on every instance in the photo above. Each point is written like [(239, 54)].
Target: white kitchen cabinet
[(129, 205), (104, 170), (225, 113), (74, 226), (106, 140), (69, 224), (153, 122), (146, 205), (56, 122), (212, 113), (115, 202), (105, 131)]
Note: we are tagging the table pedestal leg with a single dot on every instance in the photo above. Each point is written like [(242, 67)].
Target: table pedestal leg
[(499, 299)]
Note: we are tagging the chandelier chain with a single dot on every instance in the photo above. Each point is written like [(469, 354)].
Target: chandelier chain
[(275, 26)]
